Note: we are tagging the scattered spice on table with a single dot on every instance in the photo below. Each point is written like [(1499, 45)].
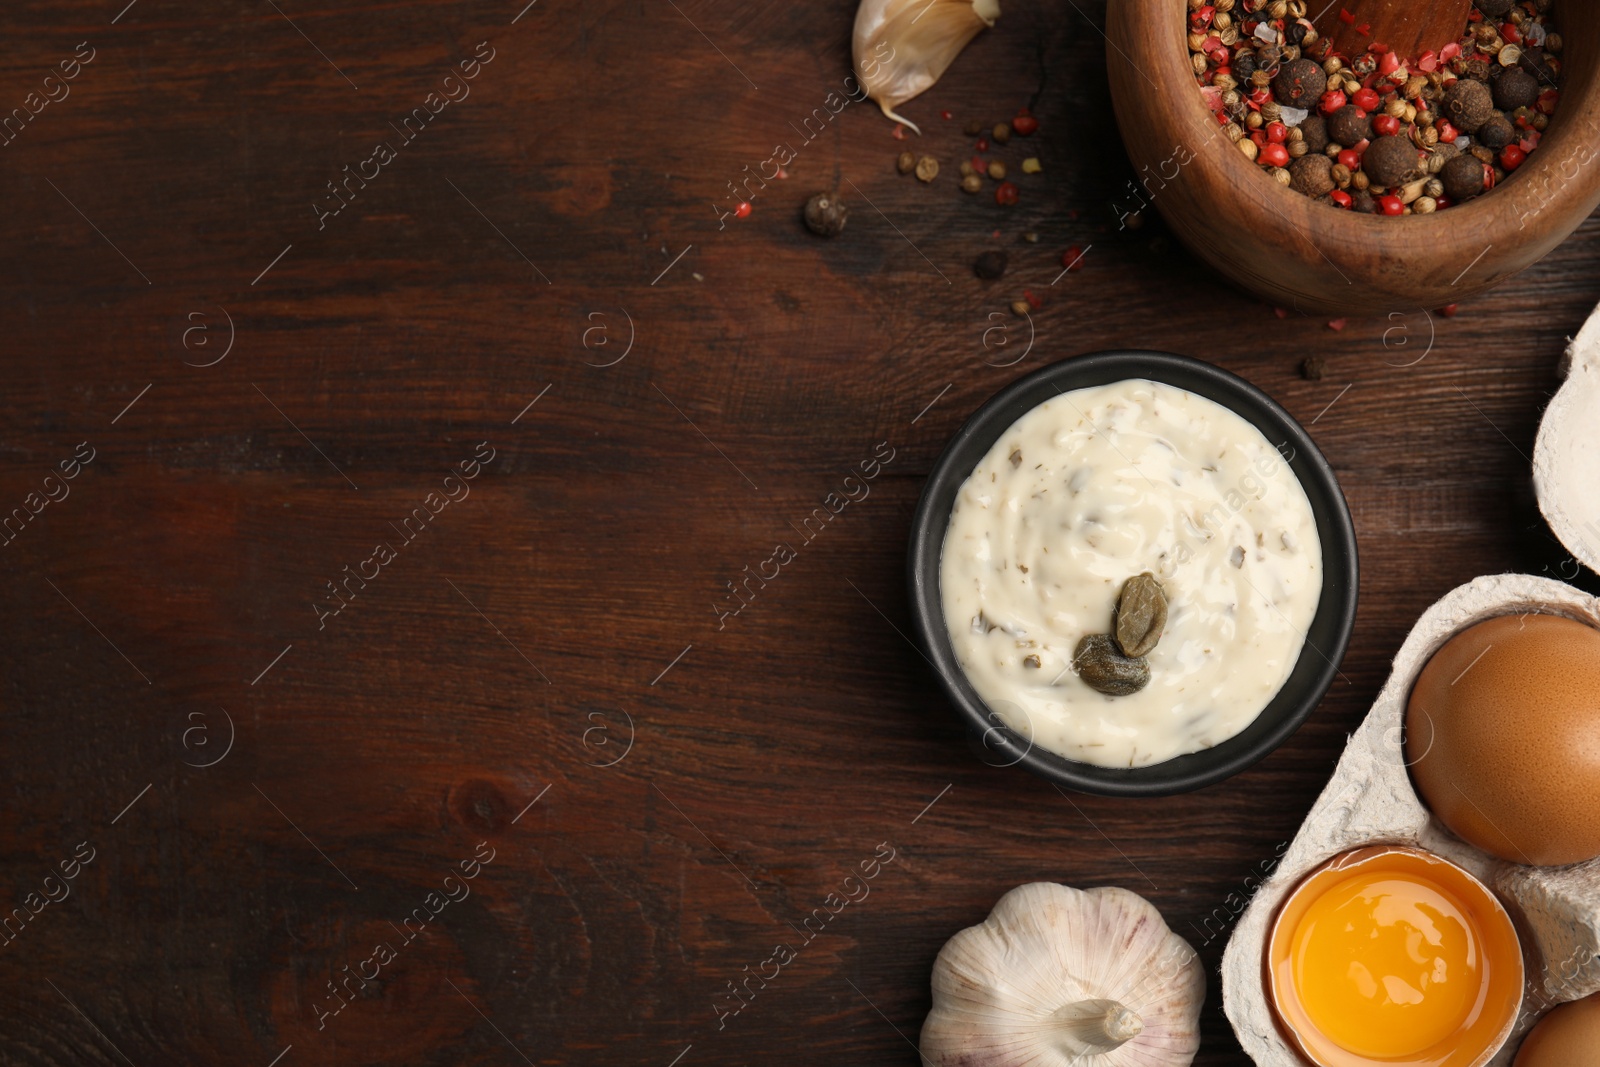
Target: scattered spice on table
[(1311, 368), (987, 137), (825, 215), (990, 265), (1403, 135)]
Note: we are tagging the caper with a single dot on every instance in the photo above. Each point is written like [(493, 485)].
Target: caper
[(1106, 670), (1140, 616)]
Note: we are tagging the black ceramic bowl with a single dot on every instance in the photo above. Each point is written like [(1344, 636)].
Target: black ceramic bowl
[(1325, 641)]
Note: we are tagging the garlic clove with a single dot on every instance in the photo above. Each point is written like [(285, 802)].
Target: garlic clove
[(1058, 976), (901, 47)]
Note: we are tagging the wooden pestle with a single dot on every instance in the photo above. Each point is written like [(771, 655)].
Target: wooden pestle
[(1408, 27)]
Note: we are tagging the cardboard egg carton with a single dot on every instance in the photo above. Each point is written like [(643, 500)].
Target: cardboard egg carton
[(1370, 800)]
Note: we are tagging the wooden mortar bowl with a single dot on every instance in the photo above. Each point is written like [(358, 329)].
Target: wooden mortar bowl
[(1299, 254)]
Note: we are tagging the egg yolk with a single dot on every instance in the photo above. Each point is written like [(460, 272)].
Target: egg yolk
[(1388, 966)]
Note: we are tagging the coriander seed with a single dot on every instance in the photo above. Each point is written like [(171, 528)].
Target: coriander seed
[(927, 169), (997, 170), (906, 163)]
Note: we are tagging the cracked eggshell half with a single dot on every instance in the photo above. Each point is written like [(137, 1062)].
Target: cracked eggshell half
[(1566, 453), (1370, 800)]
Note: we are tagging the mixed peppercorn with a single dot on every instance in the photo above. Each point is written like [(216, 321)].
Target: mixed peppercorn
[(975, 169), (1378, 132)]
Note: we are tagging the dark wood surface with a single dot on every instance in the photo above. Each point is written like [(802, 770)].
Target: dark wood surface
[(498, 660)]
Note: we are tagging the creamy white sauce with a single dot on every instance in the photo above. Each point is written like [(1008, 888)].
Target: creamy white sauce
[(1084, 492)]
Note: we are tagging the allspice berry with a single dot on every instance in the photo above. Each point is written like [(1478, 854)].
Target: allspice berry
[(1496, 132), (1492, 8), (1001, 133), (1349, 126), (990, 265), (1467, 104), (1314, 131), (906, 163), (1312, 175), (1391, 161), (1462, 177), (1535, 62), (1299, 84), (825, 215), (1363, 202), (1514, 88)]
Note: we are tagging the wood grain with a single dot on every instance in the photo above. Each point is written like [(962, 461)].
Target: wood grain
[(497, 660)]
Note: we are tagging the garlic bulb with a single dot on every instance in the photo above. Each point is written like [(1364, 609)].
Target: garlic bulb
[(901, 47), (1058, 976)]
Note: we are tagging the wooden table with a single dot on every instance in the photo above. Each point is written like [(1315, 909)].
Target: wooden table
[(523, 675)]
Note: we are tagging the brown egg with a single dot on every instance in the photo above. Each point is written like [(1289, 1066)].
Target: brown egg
[(1503, 738), (1569, 1036)]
